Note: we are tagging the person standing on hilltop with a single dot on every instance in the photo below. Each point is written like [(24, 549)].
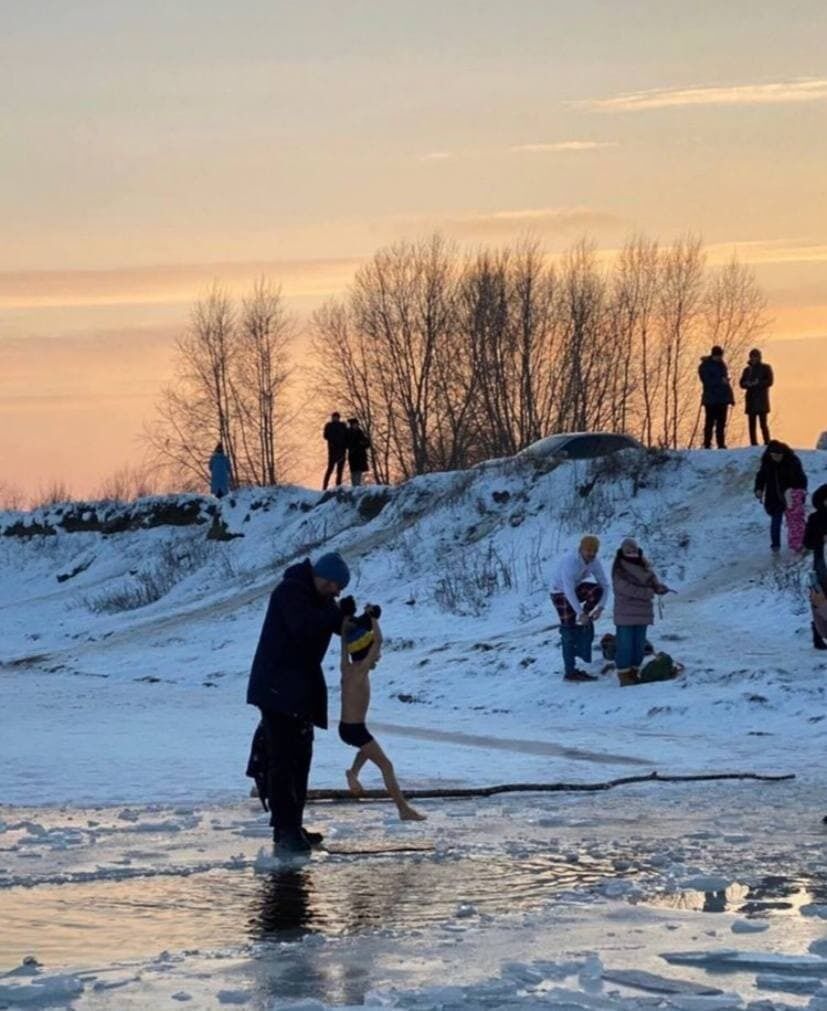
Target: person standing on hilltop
[(781, 485), (579, 604), (358, 445), (756, 379), (717, 396), (220, 472), (336, 437)]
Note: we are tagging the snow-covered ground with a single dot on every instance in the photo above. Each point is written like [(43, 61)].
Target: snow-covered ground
[(124, 737)]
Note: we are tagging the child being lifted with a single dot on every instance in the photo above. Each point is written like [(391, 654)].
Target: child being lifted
[(361, 649)]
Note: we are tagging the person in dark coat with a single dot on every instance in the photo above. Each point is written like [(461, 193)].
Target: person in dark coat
[(288, 686), (336, 436), (717, 397), (778, 476), (220, 472), (358, 445), (815, 538), (756, 379)]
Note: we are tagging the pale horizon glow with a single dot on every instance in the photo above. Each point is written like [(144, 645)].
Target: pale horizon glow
[(155, 151)]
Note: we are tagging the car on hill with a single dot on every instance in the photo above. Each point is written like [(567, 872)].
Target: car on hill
[(581, 445)]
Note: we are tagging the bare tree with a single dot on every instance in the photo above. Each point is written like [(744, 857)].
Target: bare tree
[(259, 377), (230, 375)]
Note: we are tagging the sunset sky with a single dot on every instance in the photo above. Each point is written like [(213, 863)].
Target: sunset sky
[(151, 148)]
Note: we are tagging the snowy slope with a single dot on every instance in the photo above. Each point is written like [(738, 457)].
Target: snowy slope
[(147, 703)]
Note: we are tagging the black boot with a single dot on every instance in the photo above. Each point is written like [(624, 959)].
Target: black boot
[(818, 642)]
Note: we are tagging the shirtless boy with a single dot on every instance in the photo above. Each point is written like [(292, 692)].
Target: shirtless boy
[(352, 729)]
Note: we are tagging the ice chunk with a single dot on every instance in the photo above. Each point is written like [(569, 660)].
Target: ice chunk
[(788, 984), (41, 990), (641, 980), (749, 926), (814, 909), (729, 958), (233, 996), (705, 883)]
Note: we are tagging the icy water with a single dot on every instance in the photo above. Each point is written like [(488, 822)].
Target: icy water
[(773, 894), (328, 895)]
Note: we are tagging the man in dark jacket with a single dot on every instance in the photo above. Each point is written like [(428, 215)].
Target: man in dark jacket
[(717, 396), (780, 472), (358, 445), (815, 539), (756, 379), (336, 436), (288, 686)]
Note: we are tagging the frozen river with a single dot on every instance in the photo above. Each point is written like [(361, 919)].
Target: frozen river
[(597, 900)]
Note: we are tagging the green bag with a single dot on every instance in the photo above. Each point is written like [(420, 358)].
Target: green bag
[(660, 668)]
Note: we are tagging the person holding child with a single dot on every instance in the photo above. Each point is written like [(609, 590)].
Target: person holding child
[(361, 650), (288, 686), (635, 586)]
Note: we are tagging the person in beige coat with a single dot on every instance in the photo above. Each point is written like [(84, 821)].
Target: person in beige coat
[(635, 586)]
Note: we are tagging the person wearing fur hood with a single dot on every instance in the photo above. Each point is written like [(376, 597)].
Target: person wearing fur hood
[(635, 586)]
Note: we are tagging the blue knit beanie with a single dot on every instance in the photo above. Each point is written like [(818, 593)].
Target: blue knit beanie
[(332, 566)]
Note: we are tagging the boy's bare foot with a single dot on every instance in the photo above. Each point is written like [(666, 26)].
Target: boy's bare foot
[(410, 814), (353, 783)]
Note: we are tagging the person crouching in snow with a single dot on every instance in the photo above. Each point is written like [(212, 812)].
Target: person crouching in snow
[(361, 649), (635, 585), (781, 485), (579, 604)]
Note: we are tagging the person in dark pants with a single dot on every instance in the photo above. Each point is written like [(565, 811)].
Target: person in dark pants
[(358, 445), (717, 396), (756, 379), (336, 436), (288, 686), (815, 538), (780, 474)]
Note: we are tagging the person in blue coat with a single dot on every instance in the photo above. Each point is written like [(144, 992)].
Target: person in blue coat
[(288, 686), (717, 396), (220, 471)]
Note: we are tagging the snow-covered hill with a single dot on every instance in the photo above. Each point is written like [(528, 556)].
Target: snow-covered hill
[(128, 631)]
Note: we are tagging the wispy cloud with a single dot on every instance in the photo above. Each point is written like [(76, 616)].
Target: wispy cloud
[(759, 251), (779, 92), (436, 156), (545, 220), (564, 145)]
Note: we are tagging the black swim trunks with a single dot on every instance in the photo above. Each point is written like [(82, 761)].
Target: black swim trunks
[(355, 734)]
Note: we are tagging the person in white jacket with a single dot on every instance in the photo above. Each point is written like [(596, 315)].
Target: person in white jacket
[(579, 589)]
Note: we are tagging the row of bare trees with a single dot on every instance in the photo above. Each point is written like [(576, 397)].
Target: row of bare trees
[(451, 359), (231, 372)]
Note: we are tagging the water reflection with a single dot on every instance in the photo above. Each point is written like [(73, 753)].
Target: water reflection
[(330, 896), (773, 893)]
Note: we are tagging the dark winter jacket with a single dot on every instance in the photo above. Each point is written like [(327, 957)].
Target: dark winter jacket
[(715, 378), (219, 474), (757, 380), (336, 436), (815, 533), (357, 450), (287, 669), (774, 479)]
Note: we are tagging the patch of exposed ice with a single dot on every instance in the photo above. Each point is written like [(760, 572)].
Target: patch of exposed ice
[(749, 926)]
